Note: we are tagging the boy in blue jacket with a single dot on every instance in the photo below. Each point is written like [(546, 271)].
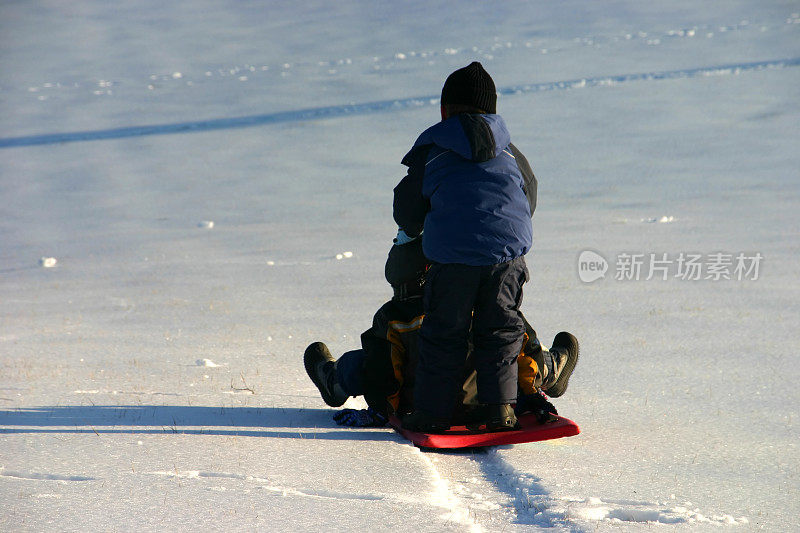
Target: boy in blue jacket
[(471, 194)]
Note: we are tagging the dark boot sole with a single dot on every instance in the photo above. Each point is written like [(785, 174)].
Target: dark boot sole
[(315, 356), (569, 342), (493, 427)]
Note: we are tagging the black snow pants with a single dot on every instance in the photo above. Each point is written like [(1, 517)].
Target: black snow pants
[(486, 301)]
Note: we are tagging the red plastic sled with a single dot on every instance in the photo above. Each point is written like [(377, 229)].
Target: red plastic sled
[(460, 437)]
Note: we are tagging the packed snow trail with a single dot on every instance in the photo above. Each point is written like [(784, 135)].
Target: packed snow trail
[(381, 106), (481, 488)]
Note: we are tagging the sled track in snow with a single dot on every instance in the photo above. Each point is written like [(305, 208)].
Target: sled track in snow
[(534, 506), (382, 106)]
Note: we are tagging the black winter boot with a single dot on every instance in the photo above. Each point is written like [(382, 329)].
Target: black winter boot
[(321, 368), (494, 417), (564, 353), (501, 417)]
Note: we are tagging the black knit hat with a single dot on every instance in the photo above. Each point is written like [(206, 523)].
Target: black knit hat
[(471, 86)]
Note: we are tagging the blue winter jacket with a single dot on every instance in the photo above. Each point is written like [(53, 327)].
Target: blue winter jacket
[(471, 191)]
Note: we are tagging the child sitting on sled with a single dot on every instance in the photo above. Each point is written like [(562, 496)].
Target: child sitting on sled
[(383, 369)]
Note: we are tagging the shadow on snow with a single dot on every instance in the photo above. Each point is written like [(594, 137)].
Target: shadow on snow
[(275, 422)]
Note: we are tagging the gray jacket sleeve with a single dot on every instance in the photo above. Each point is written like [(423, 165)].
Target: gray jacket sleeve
[(531, 184)]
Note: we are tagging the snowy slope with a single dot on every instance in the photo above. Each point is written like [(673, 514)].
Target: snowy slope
[(151, 379)]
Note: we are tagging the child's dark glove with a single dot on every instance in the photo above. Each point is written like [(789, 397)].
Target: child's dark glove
[(360, 418), (538, 404)]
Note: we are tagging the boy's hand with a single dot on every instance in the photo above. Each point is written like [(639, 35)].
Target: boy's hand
[(360, 418)]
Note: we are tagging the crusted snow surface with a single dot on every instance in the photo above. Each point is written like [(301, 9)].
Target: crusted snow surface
[(209, 188)]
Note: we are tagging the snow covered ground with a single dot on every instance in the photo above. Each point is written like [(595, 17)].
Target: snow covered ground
[(213, 181)]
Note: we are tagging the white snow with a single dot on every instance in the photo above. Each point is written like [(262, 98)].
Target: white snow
[(153, 380), (207, 362), (661, 220), (48, 262)]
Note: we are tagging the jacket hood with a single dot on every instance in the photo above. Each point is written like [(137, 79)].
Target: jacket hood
[(477, 138)]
